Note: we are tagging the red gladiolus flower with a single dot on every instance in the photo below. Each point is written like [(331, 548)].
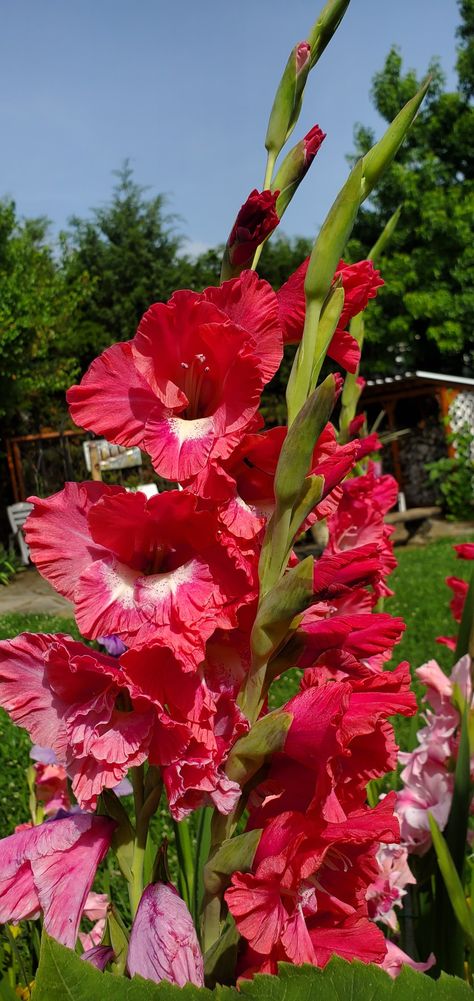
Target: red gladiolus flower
[(143, 570), (188, 385), (305, 898), (74, 700), (325, 775), (245, 481), (359, 521), (362, 635), (198, 720), (102, 716), (256, 219), (360, 282), (465, 550)]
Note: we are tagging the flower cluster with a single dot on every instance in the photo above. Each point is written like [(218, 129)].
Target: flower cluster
[(306, 896), (170, 586)]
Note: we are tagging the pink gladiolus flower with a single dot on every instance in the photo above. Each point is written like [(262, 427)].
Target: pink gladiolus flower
[(163, 942), (188, 385), (51, 786), (50, 869), (432, 794), (95, 909), (427, 775), (302, 55), (396, 959), (144, 570), (388, 890)]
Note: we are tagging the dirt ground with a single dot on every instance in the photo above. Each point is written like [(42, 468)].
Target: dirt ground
[(31, 594)]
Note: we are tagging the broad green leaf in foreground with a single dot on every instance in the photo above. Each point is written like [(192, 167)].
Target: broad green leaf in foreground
[(63, 976)]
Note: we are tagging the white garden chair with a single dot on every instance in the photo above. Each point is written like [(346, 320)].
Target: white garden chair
[(17, 515)]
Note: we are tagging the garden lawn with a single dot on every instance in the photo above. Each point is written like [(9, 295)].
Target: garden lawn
[(421, 598)]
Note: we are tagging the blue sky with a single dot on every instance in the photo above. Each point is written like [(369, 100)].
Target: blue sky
[(184, 90)]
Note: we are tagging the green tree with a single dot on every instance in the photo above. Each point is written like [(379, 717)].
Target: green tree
[(130, 252), (423, 317), (38, 307)]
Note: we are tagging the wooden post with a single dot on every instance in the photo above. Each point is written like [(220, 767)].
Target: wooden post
[(446, 398), (95, 461), (18, 470), (11, 469), (394, 446)]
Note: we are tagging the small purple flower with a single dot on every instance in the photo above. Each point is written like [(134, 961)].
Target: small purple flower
[(113, 644), (124, 788), (163, 942), (44, 755)]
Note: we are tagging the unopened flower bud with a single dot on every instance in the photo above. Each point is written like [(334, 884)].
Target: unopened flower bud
[(295, 166), (99, 956), (163, 942), (256, 219), (287, 104)]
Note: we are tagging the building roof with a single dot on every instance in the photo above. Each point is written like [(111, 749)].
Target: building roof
[(446, 380), (414, 384)]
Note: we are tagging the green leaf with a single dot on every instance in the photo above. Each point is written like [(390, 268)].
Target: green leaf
[(124, 834), (7, 992), (221, 959), (63, 976), (288, 598), (287, 104), (453, 883), (118, 936), (386, 235), (235, 854), (311, 492), (297, 449), (203, 845), (266, 737), (378, 158)]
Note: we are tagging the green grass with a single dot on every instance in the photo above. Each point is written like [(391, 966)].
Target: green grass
[(421, 599)]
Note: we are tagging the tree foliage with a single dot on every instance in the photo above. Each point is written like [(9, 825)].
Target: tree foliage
[(130, 252), (423, 317), (38, 310)]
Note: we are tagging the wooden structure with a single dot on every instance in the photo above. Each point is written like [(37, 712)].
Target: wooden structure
[(404, 398), (14, 458)]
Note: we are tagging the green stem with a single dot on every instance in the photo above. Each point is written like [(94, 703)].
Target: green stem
[(185, 852), (267, 180), (266, 184), (16, 954), (139, 844), (147, 796), (221, 828), (298, 388)]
